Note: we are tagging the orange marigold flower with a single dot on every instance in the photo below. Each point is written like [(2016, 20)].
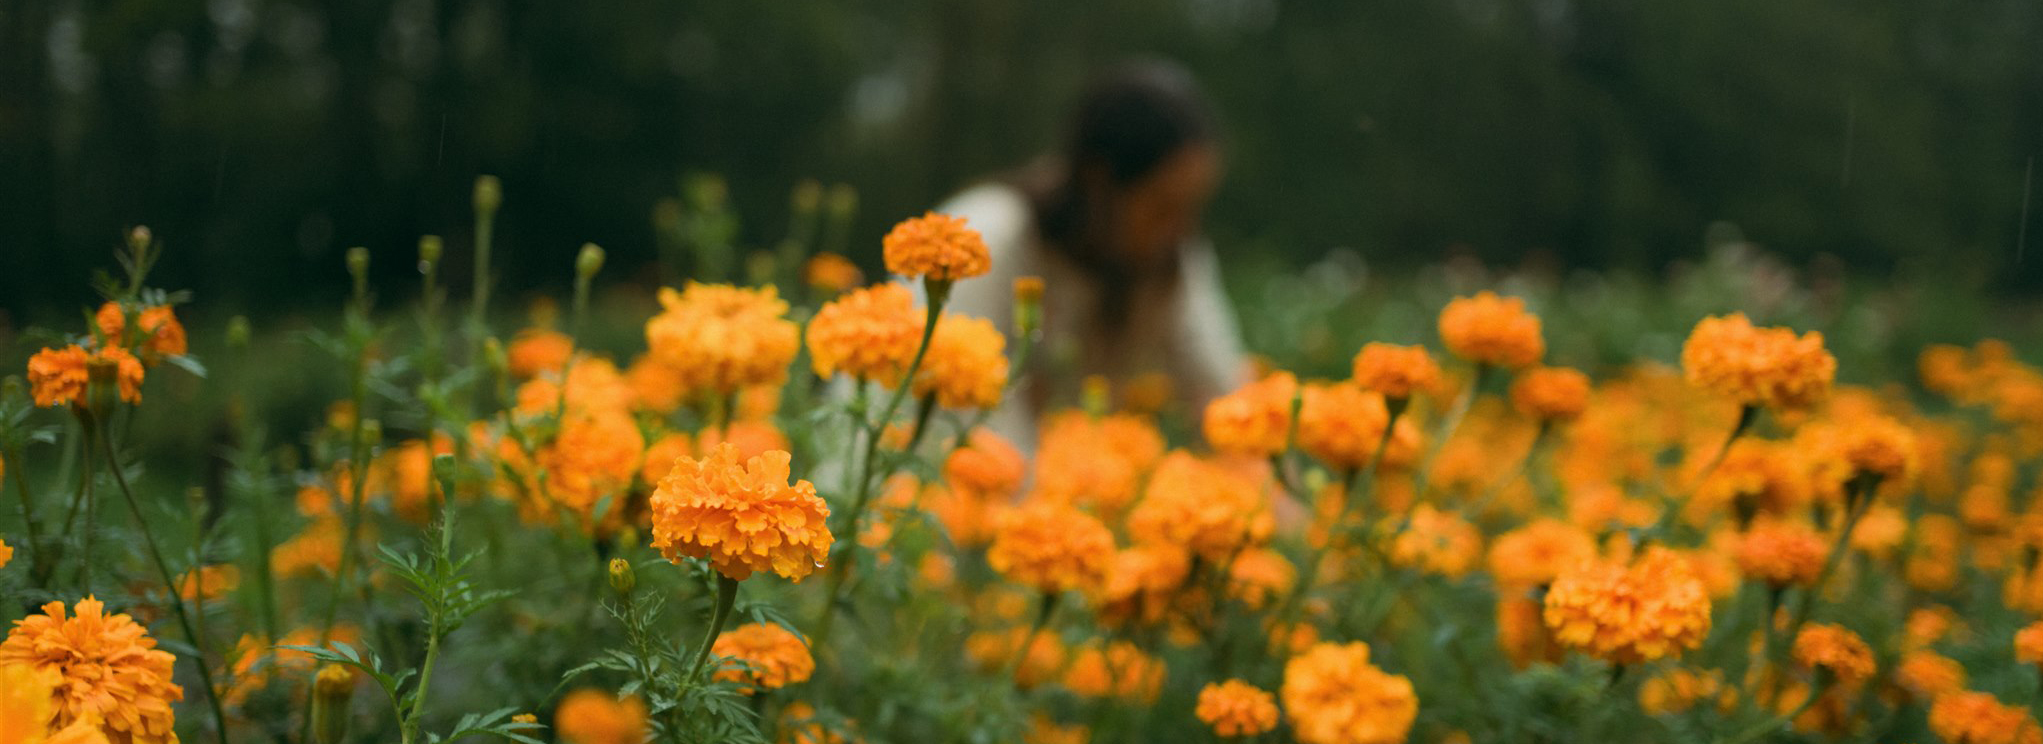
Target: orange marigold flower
[(2029, 644), (1835, 649), (831, 273), (1532, 555), (989, 650), (207, 582), (1652, 609), (1236, 708), (661, 454), (1396, 372), (537, 350), (27, 705), (1756, 476), (1781, 552), (1142, 582), (767, 656), (315, 549), (1979, 718), (1551, 393), (1200, 506), (1333, 695), (966, 365), (593, 457), (1678, 690), (721, 338), (987, 465), (1926, 674), (1438, 542), (870, 334), (799, 724), (6, 553), (655, 386), (590, 716), (1259, 575), (161, 334), (752, 438), (1120, 670), (98, 666), (1488, 329), (1095, 462), (591, 385), (58, 377), (1342, 425), (1770, 367), (742, 516), (1052, 547), (1254, 420), (1045, 730), (1878, 447), (935, 246)]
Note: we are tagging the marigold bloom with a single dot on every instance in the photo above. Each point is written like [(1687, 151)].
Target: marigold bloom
[(1342, 425), (938, 247), (1551, 393), (1522, 634), (1396, 372), (966, 365), (1653, 609), (1254, 420), (1142, 582), (1052, 547), (2029, 643), (1259, 575), (1236, 708), (1678, 690), (1488, 329), (1926, 674), (26, 706), (1769, 367), (537, 350), (161, 334), (207, 582), (655, 386), (870, 334), (831, 273), (1979, 718), (1532, 555), (768, 656), (316, 548), (1120, 670), (1877, 447), (1333, 695), (799, 724), (1200, 506), (988, 650), (58, 377), (1095, 462), (1781, 552), (741, 516), (1438, 542), (1835, 649), (987, 465), (720, 338), (1756, 476), (752, 438), (590, 716), (6, 553), (98, 666)]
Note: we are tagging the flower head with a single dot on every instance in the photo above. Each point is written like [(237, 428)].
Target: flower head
[(1649, 610), (1781, 552), (1757, 366), (966, 365), (1396, 372), (1333, 695), (1438, 541), (741, 516), (1979, 718), (1236, 708), (160, 335), (831, 273), (2029, 643), (870, 334), (537, 350), (1834, 649), (1253, 420), (1119, 669), (1200, 506), (719, 337), (1551, 393), (936, 246), (1343, 426), (1926, 674), (1488, 329), (1052, 547), (98, 666), (59, 377), (1534, 554), (590, 716), (769, 656)]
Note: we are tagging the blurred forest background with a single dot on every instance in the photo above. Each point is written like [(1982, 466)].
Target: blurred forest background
[(260, 138)]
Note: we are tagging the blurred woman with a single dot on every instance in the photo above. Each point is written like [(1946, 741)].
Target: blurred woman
[(1111, 224)]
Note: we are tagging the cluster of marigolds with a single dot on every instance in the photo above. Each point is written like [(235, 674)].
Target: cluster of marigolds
[(1616, 523)]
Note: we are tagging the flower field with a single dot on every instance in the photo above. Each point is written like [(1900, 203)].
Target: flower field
[(1461, 507)]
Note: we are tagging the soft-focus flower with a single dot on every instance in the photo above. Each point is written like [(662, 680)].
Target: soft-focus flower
[(1437, 541), (1678, 690), (2029, 643), (1096, 462), (1551, 393), (1652, 609), (1522, 634), (966, 365), (1756, 476), (1926, 674), (1142, 582), (655, 386), (1045, 730), (870, 334), (1979, 718), (98, 666), (1254, 420), (590, 716), (721, 338), (1781, 552), (1236, 708), (1488, 329), (1769, 367), (1532, 555), (1333, 695), (1052, 548), (1343, 426), (160, 333), (1259, 575), (1835, 649), (1120, 670), (204, 583), (938, 247), (58, 377), (6, 553), (831, 273), (537, 350), (741, 516), (986, 465), (1045, 658), (766, 655), (1200, 506), (1396, 372)]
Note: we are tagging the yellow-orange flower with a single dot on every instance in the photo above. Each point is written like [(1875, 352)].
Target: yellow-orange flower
[(1781, 552), (1979, 718), (58, 377), (1333, 695), (161, 334), (935, 246), (870, 334), (1652, 609), (1770, 367), (1926, 674), (1488, 329), (98, 666), (766, 655), (721, 338), (1532, 555), (1095, 462), (1437, 541), (831, 273), (1236, 708), (987, 466), (26, 707), (1342, 425), (207, 582), (1551, 393), (1142, 582), (1120, 670), (655, 386), (6, 553), (741, 516), (1254, 420), (1835, 649), (1052, 547), (966, 365), (2029, 644), (1200, 506), (1756, 476), (590, 716), (1259, 575), (1044, 659), (536, 350), (1396, 372)]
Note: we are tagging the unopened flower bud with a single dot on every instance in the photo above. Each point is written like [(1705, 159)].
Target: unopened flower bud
[(139, 238), (589, 261), (358, 263), (429, 252), (489, 194), (621, 577), (331, 688), (1028, 304)]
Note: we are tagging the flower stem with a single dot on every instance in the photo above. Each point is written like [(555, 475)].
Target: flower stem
[(726, 595), (1044, 610), (35, 540)]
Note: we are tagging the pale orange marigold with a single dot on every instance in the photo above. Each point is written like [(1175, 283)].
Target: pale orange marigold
[(1254, 420), (1259, 575), (1835, 649), (1488, 329), (1979, 718), (1097, 462), (1052, 547), (1678, 690), (590, 716), (58, 377), (2029, 643), (1236, 708), (1343, 425), (763, 655), (1781, 552), (1551, 393), (1926, 674), (966, 365), (935, 246), (6, 553), (98, 666), (1200, 506), (1532, 555), (1652, 609), (741, 516), (1770, 367), (870, 334), (1437, 541), (831, 273), (536, 350), (161, 334), (1120, 670), (1142, 583), (655, 386), (1396, 372), (1333, 695), (987, 465), (720, 338)]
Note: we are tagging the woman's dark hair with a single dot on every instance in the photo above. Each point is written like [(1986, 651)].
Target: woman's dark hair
[(1130, 119)]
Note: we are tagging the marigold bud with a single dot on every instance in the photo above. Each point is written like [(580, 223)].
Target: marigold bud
[(1028, 304), (429, 252), (139, 238), (489, 194), (621, 577), (358, 263), (331, 688), (589, 261)]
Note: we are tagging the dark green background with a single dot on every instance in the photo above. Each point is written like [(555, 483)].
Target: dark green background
[(260, 138)]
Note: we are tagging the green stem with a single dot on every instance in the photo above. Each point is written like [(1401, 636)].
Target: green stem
[(358, 446), (1044, 610), (1857, 499), (35, 538), (726, 596)]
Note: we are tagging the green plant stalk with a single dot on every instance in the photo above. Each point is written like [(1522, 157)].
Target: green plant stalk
[(36, 554), (1747, 416), (169, 584), (1452, 422), (1044, 610), (1359, 484), (726, 596), (358, 446), (91, 503), (1524, 470), (1858, 499)]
